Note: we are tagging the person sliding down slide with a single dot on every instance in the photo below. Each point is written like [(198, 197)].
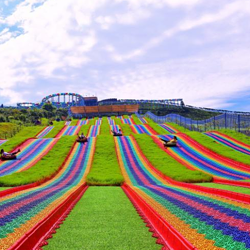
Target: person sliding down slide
[(117, 133), (82, 138), (171, 143), (9, 156)]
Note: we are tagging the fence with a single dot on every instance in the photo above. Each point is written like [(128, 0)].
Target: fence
[(238, 122)]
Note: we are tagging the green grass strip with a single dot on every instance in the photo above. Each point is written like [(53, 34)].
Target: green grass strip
[(241, 190), (218, 148), (178, 127), (158, 129), (58, 126), (236, 135), (44, 168), (104, 219), (126, 116), (105, 127), (7, 129), (126, 129), (74, 122), (29, 132), (117, 120), (166, 164), (136, 119), (105, 169)]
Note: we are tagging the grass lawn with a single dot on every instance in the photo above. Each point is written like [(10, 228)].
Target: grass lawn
[(46, 167), (103, 219), (241, 190), (126, 129), (105, 127), (7, 129), (105, 169), (166, 164)]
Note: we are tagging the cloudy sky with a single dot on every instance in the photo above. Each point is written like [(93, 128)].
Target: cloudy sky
[(197, 50)]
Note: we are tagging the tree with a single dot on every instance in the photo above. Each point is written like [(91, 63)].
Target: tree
[(49, 107)]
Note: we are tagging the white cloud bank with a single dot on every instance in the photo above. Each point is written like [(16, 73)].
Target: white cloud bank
[(89, 42)]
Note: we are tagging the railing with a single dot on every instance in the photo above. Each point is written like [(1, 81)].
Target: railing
[(238, 122)]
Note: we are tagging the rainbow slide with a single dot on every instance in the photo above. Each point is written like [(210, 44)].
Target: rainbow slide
[(143, 129), (67, 123), (127, 120), (23, 215), (45, 131), (169, 129), (82, 122), (94, 131), (2, 142), (31, 152), (229, 141), (143, 120), (194, 157), (199, 220), (111, 121), (115, 128), (71, 130)]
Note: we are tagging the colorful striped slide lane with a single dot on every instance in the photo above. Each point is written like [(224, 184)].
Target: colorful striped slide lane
[(194, 157), (229, 141), (67, 123), (169, 128), (143, 120), (2, 142), (21, 212), (143, 129), (127, 120), (45, 131), (115, 128), (31, 152), (94, 131), (98, 122), (111, 121), (206, 221), (82, 122), (71, 130)]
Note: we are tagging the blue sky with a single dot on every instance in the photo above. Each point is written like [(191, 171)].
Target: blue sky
[(145, 49)]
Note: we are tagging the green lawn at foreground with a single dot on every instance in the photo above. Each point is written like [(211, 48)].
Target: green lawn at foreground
[(7, 129), (105, 127), (46, 167), (236, 135), (58, 126), (126, 129), (218, 148), (103, 219), (105, 170), (236, 189), (136, 119), (166, 164)]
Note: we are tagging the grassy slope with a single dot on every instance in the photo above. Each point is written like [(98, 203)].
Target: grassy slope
[(136, 119), (74, 122), (7, 129), (226, 187), (166, 164), (117, 120), (105, 128), (26, 132), (236, 135), (219, 148), (45, 168), (105, 168), (57, 128), (178, 127), (126, 129), (104, 219)]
